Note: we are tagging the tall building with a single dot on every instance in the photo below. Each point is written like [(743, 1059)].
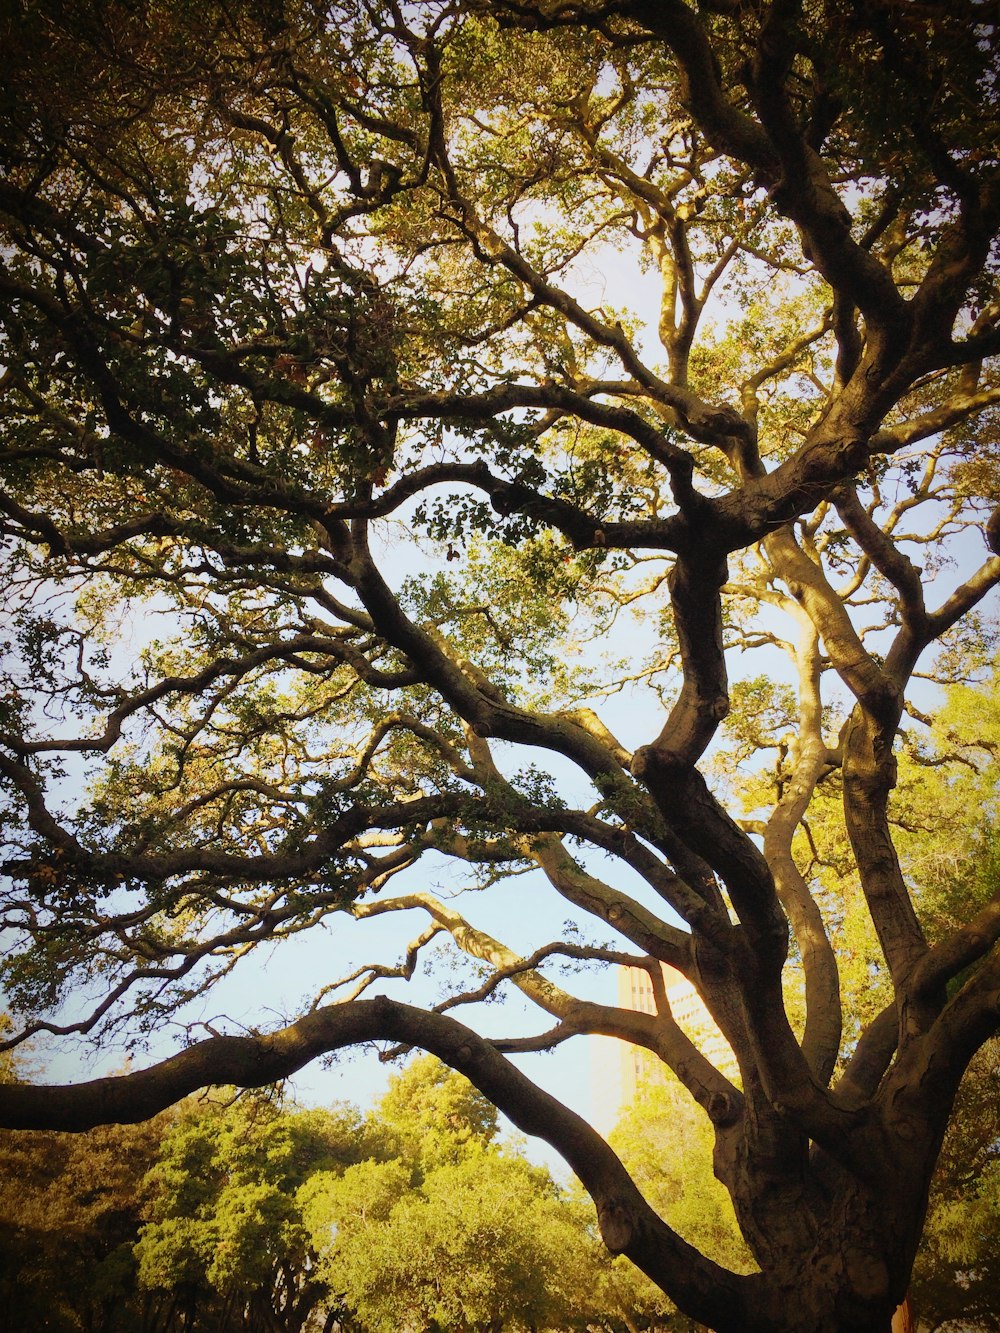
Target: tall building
[(618, 1069)]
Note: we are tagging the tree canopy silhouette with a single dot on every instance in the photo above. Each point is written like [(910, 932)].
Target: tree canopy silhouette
[(323, 453)]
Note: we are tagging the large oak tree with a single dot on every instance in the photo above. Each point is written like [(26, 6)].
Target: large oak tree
[(296, 294)]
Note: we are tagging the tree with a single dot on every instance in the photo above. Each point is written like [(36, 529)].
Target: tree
[(245, 1212), (278, 1219), (324, 464), (70, 1212), (482, 1243), (454, 1231), (224, 1237), (430, 1115)]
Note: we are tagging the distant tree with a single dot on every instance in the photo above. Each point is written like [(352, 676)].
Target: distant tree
[(366, 367), (430, 1115), (71, 1208), (243, 1213), (224, 1238), (479, 1244), (459, 1233)]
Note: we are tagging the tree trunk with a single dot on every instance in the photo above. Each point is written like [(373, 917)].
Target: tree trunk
[(852, 1276)]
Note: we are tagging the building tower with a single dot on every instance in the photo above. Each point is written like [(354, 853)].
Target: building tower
[(619, 1069)]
